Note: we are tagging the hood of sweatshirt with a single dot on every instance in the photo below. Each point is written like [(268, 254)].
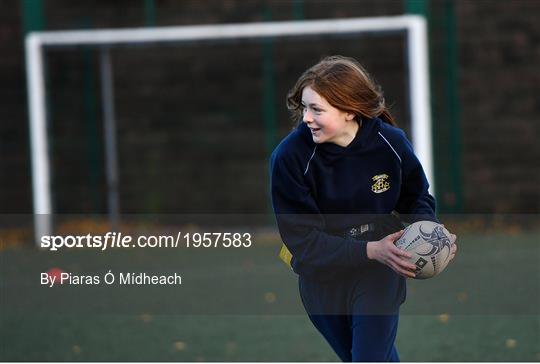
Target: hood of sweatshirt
[(366, 132)]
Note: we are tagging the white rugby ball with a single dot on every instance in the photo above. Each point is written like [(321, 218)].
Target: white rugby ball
[(430, 244)]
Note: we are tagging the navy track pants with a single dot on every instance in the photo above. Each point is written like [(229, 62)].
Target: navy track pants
[(344, 314), (360, 338)]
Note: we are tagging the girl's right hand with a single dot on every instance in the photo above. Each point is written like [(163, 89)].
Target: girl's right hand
[(386, 252)]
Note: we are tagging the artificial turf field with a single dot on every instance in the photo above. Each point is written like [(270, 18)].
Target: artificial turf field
[(484, 307)]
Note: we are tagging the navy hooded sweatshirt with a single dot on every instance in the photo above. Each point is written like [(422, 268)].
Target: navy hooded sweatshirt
[(321, 190)]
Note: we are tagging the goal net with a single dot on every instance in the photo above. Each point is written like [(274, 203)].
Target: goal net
[(177, 118)]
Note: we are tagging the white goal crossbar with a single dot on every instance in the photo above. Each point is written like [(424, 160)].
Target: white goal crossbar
[(417, 60)]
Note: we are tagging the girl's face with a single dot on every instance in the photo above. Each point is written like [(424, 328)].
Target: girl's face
[(327, 124)]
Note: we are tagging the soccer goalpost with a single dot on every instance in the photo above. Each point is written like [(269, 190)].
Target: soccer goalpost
[(35, 43)]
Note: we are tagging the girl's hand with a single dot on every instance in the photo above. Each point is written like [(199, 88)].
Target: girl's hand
[(453, 246), (386, 252)]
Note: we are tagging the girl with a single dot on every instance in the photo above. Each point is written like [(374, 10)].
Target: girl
[(338, 181)]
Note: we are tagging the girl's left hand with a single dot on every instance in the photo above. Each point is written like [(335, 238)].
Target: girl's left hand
[(453, 246)]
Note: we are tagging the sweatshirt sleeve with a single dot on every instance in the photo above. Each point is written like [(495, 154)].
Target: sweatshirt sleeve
[(415, 203), (301, 224)]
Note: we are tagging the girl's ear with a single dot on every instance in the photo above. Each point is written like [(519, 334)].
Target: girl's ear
[(349, 116)]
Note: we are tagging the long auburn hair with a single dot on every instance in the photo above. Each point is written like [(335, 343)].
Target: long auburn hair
[(346, 85)]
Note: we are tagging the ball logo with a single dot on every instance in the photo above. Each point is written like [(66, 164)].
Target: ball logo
[(438, 240), (381, 183), (420, 263)]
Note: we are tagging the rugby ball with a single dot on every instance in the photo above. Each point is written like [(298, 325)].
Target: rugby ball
[(430, 245)]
